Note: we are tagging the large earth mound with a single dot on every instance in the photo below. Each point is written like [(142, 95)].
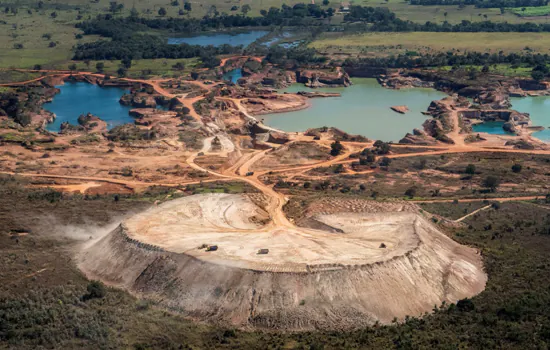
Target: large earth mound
[(351, 270)]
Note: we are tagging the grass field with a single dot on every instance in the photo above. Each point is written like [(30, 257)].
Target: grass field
[(531, 11), (391, 43), (26, 28)]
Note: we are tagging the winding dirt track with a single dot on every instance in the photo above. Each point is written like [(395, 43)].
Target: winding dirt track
[(239, 170)]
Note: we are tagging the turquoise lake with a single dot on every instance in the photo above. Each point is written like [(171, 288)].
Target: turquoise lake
[(81, 98), (363, 108), (539, 110), (494, 128), (218, 39)]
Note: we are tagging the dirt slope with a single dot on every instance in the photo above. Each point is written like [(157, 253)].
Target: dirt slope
[(310, 279)]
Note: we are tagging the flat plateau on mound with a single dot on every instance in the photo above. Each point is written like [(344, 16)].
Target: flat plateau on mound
[(359, 268)]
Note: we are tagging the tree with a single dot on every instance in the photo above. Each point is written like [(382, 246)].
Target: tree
[(126, 62), (326, 2), (72, 67), (187, 6), (245, 9), (336, 148), (95, 289), (470, 170), (134, 13), (162, 12), (53, 14), (485, 69), (385, 161), (52, 44), (37, 67), (100, 66), (516, 168), (537, 75), (179, 66), (121, 72), (491, 182), (411, 192)]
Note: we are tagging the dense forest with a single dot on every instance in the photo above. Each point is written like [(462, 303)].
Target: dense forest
[(483, 3)]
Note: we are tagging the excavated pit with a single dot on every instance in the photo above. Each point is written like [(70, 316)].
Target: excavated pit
[(372, 266)]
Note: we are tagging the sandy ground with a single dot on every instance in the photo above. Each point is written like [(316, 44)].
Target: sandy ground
[(236, 225), (311, 279)]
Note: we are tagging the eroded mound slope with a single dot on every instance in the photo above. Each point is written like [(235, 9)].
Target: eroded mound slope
[(371, 267)]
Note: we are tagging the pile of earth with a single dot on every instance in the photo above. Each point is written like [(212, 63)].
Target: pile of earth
[(220, 258)]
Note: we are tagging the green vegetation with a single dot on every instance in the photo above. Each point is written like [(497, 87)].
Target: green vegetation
[(531, 11), (401, 43), (46, 302)]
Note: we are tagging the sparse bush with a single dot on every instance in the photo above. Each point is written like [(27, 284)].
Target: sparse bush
[(96, 290), (516, 168)]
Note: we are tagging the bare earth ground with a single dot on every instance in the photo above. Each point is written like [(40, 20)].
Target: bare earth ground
[(310, 279)]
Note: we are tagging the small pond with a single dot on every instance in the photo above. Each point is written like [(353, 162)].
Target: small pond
[(494, 128), (218, 39), (363, 108), (81, 98), (233, 75)]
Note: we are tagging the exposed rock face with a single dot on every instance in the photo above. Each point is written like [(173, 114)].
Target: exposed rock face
[(313, 94), (402, 82), (418, 138), (496, 99), (365, 71), (277, 137), (322, 78), (334, 134), (275, 103), (400, 109), (532, 85), (520, 144), (138, 100)]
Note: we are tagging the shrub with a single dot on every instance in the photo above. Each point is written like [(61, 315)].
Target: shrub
[(516, 168), (411, 192), (491, 182), (96, 290)]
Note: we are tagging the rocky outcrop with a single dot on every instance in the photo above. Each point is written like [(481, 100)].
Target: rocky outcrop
[(400, 109), (418, 139), (138, 100), (365, 71), (520, 144), (532, 85), (91, 122), (277, 137), (402, 82), (68, 129), (316, 78), (334, 134), (495, 99), (313, 94)]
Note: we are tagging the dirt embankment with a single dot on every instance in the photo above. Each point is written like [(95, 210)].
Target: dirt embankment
[(380, 266)]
